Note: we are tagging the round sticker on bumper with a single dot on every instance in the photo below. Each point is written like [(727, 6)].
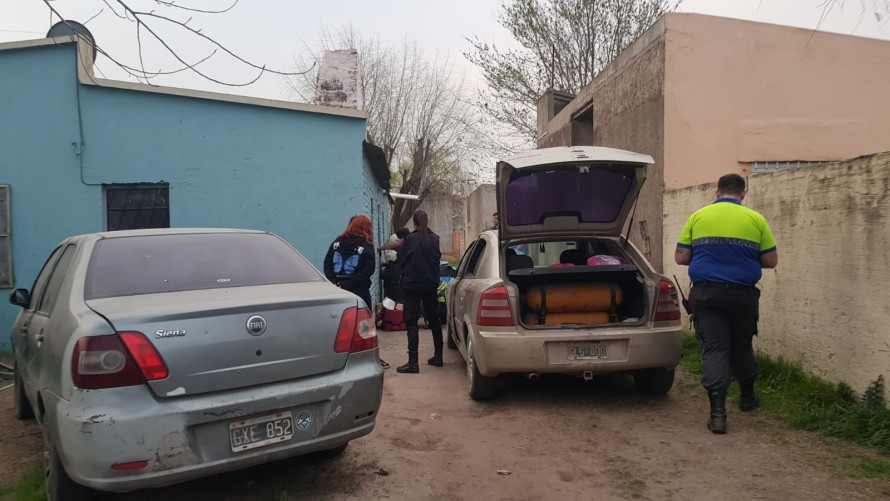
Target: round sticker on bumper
[(304, 420)]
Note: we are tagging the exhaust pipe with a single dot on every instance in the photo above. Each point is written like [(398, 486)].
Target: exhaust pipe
[(532, 376)]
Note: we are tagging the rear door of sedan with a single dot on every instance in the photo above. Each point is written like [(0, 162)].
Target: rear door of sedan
[(477, 272), (46, 338)]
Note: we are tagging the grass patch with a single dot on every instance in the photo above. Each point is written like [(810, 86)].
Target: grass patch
[(30, 488), (809, 403)]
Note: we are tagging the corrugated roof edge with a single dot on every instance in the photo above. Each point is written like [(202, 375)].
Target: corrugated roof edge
[(86, 77)]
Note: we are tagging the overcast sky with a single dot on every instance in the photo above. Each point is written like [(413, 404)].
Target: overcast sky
[(271, 32)]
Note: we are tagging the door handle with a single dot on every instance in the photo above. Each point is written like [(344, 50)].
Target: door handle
[(24, 330), (39, 338)]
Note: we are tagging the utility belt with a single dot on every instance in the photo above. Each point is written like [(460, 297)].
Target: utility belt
[(723, 285)]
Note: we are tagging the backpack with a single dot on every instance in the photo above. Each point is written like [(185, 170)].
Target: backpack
[(346, 267)]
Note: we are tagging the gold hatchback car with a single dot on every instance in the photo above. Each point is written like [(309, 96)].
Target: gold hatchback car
[(557, 288)]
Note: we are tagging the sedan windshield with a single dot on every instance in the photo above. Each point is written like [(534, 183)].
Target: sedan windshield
[(128, 266)]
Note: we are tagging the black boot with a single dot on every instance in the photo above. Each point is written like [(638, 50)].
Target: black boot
[(748, 400), (717, 422), (437, 346), (411, 367)]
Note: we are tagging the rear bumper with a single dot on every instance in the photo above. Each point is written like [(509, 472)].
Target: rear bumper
[(187, 438), (547, 351)]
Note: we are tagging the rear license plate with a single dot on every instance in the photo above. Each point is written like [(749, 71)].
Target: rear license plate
[(592, 351), (264, 430)]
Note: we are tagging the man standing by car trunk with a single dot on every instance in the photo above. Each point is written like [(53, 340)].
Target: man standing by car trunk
[(725, 246)]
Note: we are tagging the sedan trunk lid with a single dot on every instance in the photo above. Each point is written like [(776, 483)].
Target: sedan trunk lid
[(222, 339)]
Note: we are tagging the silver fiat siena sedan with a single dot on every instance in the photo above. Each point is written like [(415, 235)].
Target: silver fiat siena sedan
[(152, 357)]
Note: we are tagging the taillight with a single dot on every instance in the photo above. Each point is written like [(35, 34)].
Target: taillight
[(494, 308), (668, 307), (115, 360), (356, 332)]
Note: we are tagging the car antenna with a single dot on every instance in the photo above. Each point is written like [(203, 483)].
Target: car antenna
[(686, 305)]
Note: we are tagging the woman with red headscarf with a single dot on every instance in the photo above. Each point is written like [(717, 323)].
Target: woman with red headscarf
[(351, 261)]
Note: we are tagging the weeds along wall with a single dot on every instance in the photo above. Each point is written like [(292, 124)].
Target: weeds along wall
[(825, 305)]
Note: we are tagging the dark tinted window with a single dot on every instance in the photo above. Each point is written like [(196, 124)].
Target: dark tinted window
[(167, 263), (594, 196), (54, 286), (475, 258), (40, 282)]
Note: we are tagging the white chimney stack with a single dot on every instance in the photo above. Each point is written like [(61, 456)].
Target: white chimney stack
[(338, 79)]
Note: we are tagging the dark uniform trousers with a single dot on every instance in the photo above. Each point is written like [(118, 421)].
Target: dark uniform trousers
[(426, 302), (725, 323)]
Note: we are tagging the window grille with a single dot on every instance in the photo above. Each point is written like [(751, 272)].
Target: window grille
[(137, 206), (766, 167)]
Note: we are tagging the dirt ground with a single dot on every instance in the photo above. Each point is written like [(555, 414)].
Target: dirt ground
[(558, 439)]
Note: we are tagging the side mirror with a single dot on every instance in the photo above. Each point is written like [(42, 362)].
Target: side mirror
[(20, 297)]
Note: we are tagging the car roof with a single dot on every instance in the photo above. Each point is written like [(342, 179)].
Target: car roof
[(166, 231), (570, 154)]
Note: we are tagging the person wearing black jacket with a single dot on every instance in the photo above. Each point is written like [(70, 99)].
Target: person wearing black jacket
[(353, 268), (351, 261), (419, 256)]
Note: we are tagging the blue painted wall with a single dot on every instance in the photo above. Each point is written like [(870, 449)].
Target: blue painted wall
[(298, 174), (377, 208)]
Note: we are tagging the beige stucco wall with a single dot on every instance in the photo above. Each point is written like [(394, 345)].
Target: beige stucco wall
[(738, 92), (825, 305), (627, 113)]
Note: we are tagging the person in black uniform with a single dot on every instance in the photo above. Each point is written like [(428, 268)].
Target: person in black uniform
[(419, 257)]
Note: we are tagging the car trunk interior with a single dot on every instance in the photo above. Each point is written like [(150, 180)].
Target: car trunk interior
[(576, 283)]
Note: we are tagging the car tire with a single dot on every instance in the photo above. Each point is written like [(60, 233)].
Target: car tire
[(450, 338), (654, 381), (332, 453), (23, 409), (480, 387), (58, 486)]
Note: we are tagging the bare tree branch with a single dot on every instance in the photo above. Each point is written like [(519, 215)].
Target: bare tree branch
[(173, 4), (141, 20), (564, 44), (418, 113), (93, 17)]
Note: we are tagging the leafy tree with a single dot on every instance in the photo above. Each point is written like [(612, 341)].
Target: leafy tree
[(563, 44), (417, 113)]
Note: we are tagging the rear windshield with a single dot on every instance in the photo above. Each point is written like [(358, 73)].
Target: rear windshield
[(128, 266), (593, 195)]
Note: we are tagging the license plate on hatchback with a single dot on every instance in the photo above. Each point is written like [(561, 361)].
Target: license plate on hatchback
[(259, 431), (590, 351)]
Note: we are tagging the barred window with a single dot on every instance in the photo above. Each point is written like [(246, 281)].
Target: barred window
[(137, 206), (767, 167)]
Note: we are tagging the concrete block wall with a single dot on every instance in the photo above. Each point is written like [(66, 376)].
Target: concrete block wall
[(824, 306), (479, 207)]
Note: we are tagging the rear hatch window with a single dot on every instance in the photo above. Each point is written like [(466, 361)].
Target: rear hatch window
[(595, 196), (150, 264)]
